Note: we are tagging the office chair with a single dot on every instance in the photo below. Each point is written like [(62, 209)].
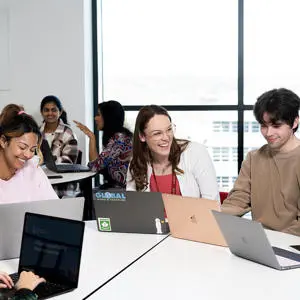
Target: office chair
[(223, 196)]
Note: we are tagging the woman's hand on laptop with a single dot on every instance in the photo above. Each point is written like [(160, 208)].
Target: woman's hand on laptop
[(28, 280), (5, 281)]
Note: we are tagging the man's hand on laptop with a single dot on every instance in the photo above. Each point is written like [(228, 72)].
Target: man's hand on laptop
[(28, 280)]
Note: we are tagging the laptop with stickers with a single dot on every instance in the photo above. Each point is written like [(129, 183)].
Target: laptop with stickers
[(130, 212)]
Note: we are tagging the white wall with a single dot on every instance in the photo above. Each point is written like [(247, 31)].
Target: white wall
[(49, 43)]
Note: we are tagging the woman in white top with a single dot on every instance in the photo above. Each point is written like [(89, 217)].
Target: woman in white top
[(165, 164)]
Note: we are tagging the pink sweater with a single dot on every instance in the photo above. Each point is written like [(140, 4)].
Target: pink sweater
[(29, 184)]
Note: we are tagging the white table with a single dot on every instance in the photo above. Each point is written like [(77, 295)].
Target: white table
[(68, 177), (103, 256), (86, 185), (180, 269)]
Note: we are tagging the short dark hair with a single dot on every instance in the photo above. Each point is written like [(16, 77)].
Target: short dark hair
[(280, 104)]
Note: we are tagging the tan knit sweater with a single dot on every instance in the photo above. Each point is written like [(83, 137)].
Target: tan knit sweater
[(269, 185)]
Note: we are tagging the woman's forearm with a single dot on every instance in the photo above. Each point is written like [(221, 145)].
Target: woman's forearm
[(93, 154)]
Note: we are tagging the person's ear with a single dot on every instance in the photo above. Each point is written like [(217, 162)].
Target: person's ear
[(296, 123), (3, 141), (142, 138)]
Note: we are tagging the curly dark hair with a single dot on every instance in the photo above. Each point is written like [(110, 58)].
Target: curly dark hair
[(141, 155), (281, 105)]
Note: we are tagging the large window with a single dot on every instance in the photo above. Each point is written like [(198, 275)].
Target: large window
[(206, 61), (272, 46), (170, 52)]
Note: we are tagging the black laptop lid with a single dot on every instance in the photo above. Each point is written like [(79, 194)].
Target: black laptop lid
[(51, 247), (131, 212), (48, 157)]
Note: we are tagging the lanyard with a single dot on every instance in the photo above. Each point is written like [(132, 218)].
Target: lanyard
[(173, 186)]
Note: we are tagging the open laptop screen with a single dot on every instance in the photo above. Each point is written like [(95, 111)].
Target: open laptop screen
[(51, 247)]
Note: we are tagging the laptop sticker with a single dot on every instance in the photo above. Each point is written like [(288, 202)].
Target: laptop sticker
[(104, 224), (158, 226), (110, 196)]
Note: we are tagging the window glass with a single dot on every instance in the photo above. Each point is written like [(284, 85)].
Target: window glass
[(271, 46), (252, 138), (169, 52)]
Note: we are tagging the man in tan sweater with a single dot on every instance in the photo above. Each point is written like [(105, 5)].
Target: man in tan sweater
[(269, 180)]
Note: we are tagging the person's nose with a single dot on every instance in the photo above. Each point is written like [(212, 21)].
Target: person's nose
[(28, 154), (165, 136), (269, 131)]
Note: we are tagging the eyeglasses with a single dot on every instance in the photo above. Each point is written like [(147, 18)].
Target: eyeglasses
[(156, 135)]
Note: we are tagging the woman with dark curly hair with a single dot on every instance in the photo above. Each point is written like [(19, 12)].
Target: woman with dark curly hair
[(162, 163)]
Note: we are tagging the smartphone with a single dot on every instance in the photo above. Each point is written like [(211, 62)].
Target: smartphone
[(54, 176), (297, 247)]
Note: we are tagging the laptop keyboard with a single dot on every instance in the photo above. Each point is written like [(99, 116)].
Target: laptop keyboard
[(285, 257), (71, 167), (44, 289)]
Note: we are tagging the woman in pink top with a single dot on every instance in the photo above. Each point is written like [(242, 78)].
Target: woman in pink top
[(21, 178)]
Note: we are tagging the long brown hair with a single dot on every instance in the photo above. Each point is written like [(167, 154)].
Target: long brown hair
[(141, 155)]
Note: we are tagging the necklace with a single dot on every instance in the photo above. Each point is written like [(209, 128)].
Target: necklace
[(173, 183), (163, 170)]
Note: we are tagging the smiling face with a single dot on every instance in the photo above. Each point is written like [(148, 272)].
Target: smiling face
[(50, 113), (19, 149), (279, 135), (158, 135)]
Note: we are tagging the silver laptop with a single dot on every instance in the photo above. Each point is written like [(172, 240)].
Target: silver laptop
[(12, 220), (247, 239)]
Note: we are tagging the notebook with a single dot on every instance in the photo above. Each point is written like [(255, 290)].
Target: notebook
[(191, 219), (247, 239), (59, 168), (51, 248), (131, 212), (12, 219)]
